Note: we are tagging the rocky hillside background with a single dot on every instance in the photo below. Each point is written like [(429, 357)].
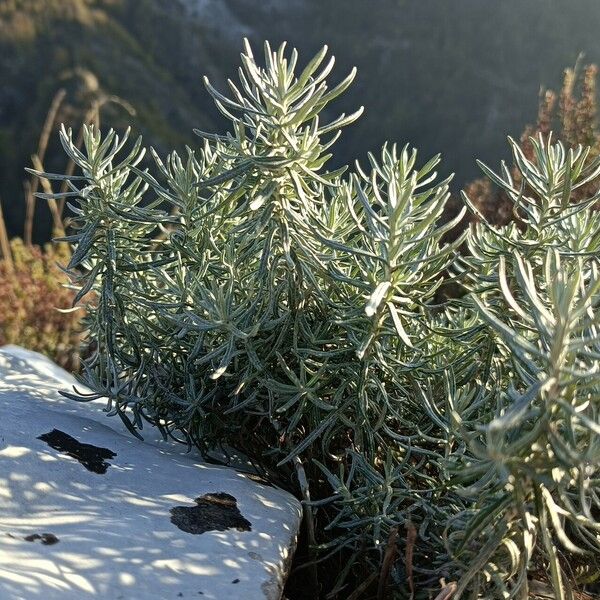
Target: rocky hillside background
[(451, 77)]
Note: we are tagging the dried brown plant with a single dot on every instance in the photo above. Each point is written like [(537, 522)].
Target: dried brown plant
[(572, 116), (32, 290)]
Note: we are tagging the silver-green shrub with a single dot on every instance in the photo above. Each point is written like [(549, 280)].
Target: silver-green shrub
[(246, 297), (535, 449)]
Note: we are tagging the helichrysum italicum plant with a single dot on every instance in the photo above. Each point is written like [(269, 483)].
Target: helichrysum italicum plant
[(247, 297), (534, 460)]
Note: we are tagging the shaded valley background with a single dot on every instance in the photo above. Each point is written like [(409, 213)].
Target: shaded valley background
[(446, 76)]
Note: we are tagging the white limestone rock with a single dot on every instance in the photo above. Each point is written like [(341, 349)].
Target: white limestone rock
[(113, 520)]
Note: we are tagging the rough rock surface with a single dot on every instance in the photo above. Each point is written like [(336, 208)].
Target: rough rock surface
[(88, 511)]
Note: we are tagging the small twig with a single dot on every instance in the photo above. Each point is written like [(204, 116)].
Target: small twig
[(411, 537), (357, 593), (308, 522), (391, 550)]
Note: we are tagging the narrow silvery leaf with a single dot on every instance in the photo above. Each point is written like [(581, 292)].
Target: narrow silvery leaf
[(377, 298)]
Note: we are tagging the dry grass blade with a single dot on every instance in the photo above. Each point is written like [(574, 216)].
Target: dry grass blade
[(5, 244), (29, 212), (52, 205), (309, 523), (389, 557), (49, 123), (542, 591), (41, 154)]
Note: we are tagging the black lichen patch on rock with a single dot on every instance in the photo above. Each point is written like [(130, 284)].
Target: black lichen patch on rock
[(93, 458), (47, 539), (213, 512)]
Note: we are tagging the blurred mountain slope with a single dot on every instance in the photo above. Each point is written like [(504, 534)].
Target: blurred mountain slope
[(92, 48), (451, 77), (454, 77)]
